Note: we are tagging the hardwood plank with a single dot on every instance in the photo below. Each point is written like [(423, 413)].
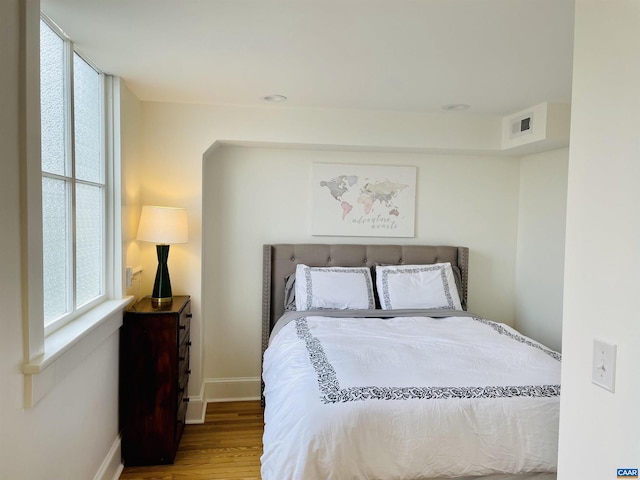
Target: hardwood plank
[(227, 446)]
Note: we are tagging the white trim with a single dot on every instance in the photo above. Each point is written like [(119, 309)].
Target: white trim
[(232, 389), (68, 347), (31, 188), (65, 338), (234, 399), (112, 466), (114, 276), (213, 390), (197, 408)]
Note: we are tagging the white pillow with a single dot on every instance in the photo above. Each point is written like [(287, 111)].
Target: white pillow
[(417, 286), (333, 287)]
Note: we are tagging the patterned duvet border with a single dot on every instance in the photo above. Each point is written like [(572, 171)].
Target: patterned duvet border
[(332, 393), (519, 338)]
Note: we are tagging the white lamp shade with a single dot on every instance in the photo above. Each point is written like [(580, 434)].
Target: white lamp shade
[(163, 225)]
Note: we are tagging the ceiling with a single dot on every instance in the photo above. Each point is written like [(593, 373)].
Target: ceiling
[(498, 56)]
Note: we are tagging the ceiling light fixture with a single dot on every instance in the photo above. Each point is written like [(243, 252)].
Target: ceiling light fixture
[(456, 106), (274, 98)]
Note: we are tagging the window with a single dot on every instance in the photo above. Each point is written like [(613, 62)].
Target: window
[(72, 206), (74, 188)]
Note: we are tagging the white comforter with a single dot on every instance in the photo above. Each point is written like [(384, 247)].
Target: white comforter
[(407, 398)]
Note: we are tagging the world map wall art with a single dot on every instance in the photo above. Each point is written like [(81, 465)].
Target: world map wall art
[(363, 200)]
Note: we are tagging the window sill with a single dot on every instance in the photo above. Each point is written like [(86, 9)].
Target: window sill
[(69, 346)]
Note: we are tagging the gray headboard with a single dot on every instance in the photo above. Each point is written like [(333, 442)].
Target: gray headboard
[(280, 260)]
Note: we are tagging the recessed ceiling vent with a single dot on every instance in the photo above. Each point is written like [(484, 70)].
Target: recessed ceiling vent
[(538, 128), (522, 125)]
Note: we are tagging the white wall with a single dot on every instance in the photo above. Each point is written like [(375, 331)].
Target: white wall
[(254, 196), (540, 249), (599, 429), (70, 432)]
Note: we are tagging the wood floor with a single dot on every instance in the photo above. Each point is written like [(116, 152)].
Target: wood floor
[(227, 446)]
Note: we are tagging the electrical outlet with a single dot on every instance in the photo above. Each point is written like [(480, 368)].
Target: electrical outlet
[(603, 372)]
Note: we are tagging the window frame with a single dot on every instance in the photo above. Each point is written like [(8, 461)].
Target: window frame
[(49, 358)]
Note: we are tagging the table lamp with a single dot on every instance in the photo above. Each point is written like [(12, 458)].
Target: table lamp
[(162, 226)]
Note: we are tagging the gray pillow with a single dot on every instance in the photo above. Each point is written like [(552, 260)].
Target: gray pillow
[(290, 292)]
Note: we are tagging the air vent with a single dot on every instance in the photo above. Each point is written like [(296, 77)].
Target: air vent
[(522, 125), (537, 128)]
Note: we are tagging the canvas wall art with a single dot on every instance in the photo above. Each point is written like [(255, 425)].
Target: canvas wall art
[(363, 200)]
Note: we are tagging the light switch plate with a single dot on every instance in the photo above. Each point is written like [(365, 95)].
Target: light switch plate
[(603, 371)]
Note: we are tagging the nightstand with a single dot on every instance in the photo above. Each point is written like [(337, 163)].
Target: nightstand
[(154, 376)]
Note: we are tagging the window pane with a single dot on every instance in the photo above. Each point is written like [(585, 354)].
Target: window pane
[(87, 121), (89, 242), (52, 100), (55, 243)]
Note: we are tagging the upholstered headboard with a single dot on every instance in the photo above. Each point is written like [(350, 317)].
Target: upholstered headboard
[(280, 260)]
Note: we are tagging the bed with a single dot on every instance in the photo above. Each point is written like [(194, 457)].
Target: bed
[(363, 381)]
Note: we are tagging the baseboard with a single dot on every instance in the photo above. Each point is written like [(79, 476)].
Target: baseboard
[(112, 466), (232, 389), (197, 407), (238, 389)]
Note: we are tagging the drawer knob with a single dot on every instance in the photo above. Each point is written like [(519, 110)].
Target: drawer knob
[(189, 315), (189, 372), (186, 399), (189, 343), (182, 327)]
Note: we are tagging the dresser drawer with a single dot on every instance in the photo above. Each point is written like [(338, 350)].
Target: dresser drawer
[(184, 323), (182, 410), (181, 416), (183, 365)]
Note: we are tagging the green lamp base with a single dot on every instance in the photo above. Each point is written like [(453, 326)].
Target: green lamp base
[(162, 296)]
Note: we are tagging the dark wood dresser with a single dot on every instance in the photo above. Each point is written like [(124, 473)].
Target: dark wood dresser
[(154, 376)]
